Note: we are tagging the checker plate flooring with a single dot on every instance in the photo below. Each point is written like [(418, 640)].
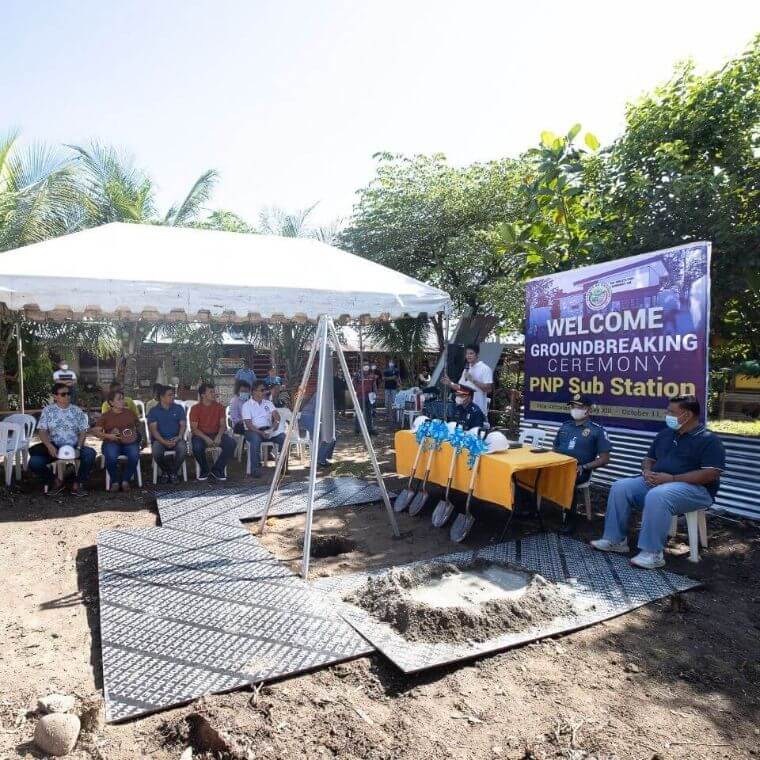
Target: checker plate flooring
[(199, 606), (604, 585), (233, 504)]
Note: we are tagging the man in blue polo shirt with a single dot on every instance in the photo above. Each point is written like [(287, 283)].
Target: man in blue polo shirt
[(166, 422), (681, 473), (582, 439)]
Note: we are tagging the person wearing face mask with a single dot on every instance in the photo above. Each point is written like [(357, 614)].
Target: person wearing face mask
[(391, 381), (466, 412), (680, 474), (364, 385), (241, 394), (582, 439)]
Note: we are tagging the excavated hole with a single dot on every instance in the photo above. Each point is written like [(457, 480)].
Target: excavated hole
[(331, 546)]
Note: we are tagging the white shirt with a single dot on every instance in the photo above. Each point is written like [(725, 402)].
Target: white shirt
[(259, 413), (482, 373), (64, 374)]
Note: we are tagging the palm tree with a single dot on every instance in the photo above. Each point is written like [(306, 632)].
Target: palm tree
[(405, 337)]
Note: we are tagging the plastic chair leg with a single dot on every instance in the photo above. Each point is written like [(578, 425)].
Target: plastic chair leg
[(673, 526), (692, 520), (587, 500), (702, 528)]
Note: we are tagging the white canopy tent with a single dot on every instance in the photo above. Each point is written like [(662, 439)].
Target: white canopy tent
[(132, 272)]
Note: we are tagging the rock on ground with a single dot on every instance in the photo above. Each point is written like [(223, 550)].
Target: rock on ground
[(55, 703), (56, 734)]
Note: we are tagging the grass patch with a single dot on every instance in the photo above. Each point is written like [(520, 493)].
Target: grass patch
[(736, 427)]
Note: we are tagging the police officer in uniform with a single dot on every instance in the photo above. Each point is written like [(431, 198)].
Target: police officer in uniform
[(467, 413), (583, 440)]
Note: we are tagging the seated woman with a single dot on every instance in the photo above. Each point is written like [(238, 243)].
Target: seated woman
[(117, 428), (241, 394)]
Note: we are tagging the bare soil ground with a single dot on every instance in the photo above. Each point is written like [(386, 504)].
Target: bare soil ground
[(671, 680)]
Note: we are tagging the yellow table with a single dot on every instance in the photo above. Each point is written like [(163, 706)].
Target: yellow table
[(494, 479)]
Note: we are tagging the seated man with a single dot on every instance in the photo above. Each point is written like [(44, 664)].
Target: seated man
[(583, 439), (166, 422), (681, 473), (61, 424), (261, 419), (466, 412), (240, 395), (325, 448), (117, 387), (208, 424)]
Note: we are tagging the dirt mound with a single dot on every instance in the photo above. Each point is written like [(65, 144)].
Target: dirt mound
[(387, 598)]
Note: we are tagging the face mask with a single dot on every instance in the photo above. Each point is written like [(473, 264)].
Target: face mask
[(577, 414), (64, 367), (374, 367), (672, 422), (391, 365), (366, 367), (244, 395), (459, 400)]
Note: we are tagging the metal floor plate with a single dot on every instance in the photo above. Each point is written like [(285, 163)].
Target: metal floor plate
[(233, 504), (192, 608), (605, 585)]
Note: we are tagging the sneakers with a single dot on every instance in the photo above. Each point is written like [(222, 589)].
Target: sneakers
[(217, 476), (77, 489), (605, 545), (203, 476), (648, 560), (54, 489)]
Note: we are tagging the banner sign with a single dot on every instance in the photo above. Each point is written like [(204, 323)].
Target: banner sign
[(629, 333)]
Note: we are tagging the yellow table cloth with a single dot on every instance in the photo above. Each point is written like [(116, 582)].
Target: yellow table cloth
[(493, 482)]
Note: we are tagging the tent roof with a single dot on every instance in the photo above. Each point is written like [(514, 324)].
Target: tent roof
[(131, 271)]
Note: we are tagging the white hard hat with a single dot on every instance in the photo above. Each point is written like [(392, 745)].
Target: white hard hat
[(67, 452), (418, 421), (496, 441), (473, 431)]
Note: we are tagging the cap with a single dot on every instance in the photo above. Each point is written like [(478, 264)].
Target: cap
[(580, 399), (466, 387)]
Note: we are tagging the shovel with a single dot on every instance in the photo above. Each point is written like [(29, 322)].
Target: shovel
[(463, 524), (402, 500), (444, 508), (421, 497)]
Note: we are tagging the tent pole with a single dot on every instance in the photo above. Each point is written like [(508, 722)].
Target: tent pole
[(445, 364), (365, 431), (316, 435), (285, 452), (361, 371), (20, 364)]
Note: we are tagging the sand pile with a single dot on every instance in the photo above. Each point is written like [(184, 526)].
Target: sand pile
[(388, 598)]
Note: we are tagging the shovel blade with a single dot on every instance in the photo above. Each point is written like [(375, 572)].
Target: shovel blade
[(417, 503), (402, 500), (461, 527), (442, 513)]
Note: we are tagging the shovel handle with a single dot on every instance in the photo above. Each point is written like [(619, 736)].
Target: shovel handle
[(416, 462), (429, 467), (472, 485), (454, 455)]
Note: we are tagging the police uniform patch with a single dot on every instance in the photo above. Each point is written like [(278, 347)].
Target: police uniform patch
[(587, 432)]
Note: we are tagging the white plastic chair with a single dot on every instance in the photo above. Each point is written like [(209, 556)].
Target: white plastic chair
[(168, 454), (534, 436), (239, 439), (696, 525), (143, 419), (122, 458), (29, 426), (300, 441), (286, 418), (11, 435)]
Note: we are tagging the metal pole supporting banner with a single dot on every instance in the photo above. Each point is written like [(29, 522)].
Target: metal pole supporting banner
[(315, 438), (20, 358), (285, 451), (361, 371), (445, 365), (365, 431)]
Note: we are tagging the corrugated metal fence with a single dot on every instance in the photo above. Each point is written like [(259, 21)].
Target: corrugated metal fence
[(739, 485)]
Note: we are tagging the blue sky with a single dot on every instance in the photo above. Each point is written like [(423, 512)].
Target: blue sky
[(289, 100)]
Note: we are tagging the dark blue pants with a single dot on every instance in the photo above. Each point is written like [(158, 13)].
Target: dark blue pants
[(112, 451), (39, 459), (227, 445)]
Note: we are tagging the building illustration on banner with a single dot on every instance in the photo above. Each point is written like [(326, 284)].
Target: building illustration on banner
[(629, 332)]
